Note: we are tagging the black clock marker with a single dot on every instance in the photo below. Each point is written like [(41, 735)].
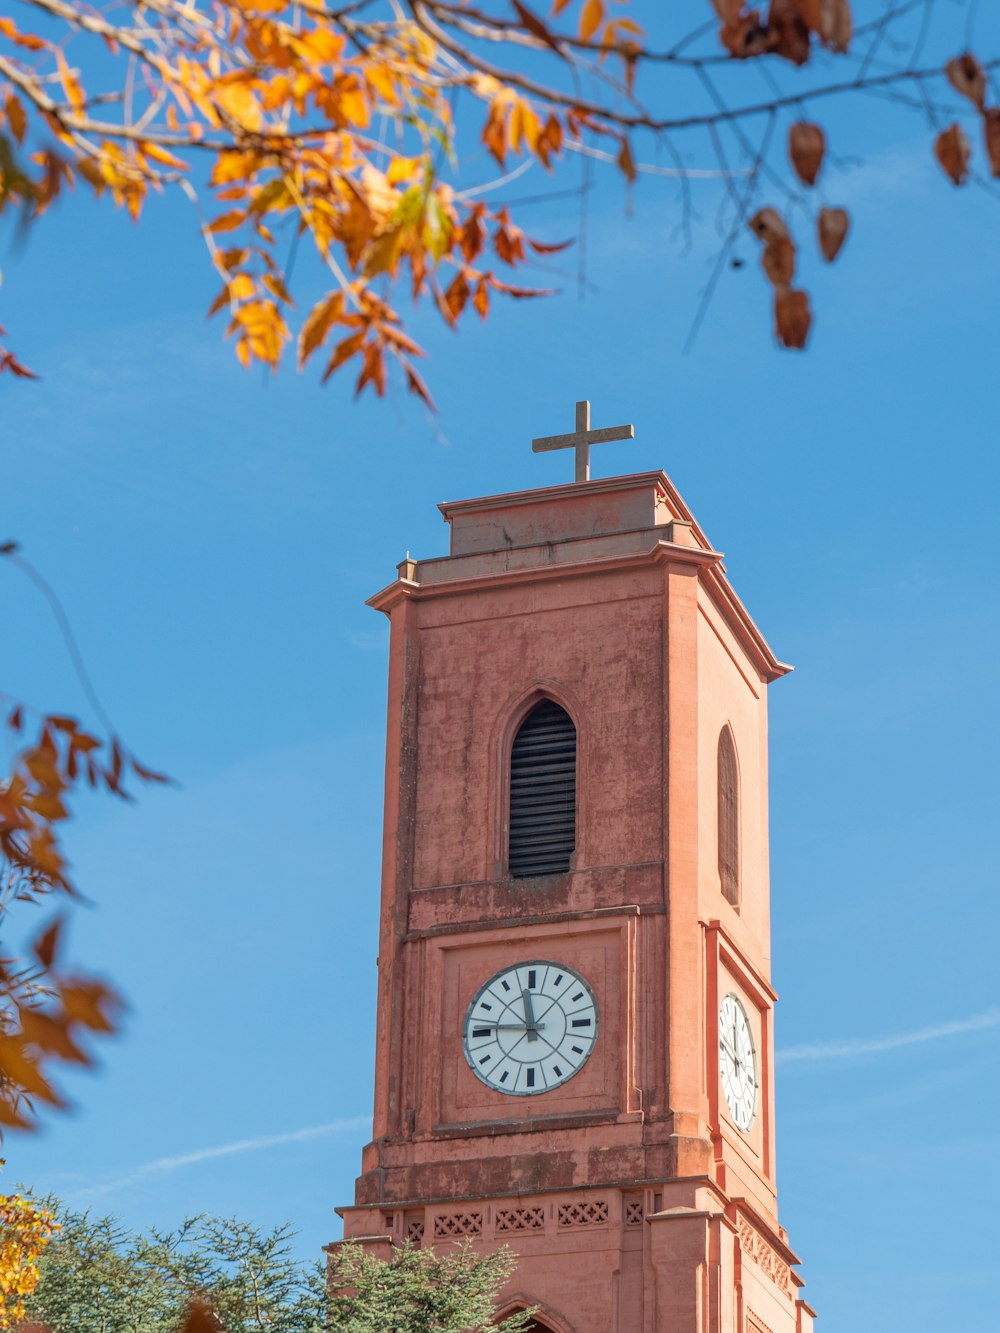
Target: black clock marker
[(531, 1077), (581, 1022), (481, 1032)]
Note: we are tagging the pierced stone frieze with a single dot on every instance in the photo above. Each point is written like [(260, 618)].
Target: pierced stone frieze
[(520, 1219), (458, 1224), (415, 1230), (763, 1255), (755, 1324), (592, 1214), (634, 1213)]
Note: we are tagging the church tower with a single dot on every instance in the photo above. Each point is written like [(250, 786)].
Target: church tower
[(575, 1042)]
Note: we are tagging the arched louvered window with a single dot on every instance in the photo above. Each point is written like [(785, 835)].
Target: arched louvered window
[(729, 818), (542, 826)]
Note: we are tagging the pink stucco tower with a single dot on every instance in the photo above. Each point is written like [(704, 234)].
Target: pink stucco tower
[(575, 1041)]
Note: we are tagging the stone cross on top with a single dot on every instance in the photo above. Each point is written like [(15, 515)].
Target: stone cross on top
[(581, 440)]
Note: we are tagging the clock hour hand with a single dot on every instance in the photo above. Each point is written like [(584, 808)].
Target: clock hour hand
[(529, 1016)]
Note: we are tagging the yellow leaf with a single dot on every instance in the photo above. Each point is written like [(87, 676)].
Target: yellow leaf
[(159, 154), (591, 18), (241, 287)]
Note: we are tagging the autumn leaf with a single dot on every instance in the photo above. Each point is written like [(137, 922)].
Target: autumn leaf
[(16, 116), (536, 27), (627, 162), (591, 18)]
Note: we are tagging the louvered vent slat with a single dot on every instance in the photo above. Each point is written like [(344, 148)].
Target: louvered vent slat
[(543, 793)]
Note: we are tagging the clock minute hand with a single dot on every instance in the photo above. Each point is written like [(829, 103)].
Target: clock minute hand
[(529, 1016)]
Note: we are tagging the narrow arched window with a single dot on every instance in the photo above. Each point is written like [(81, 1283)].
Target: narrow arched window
[(729, 818), (542, 824)]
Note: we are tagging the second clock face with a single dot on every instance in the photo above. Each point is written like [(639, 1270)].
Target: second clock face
[(530, 1028), (737, 1062)]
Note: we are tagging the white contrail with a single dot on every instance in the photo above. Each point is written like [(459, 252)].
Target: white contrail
[(843, 1050), (164, 1165)]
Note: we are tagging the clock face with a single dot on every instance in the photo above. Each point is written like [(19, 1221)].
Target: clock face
[(530, 1028), (737, 1062)]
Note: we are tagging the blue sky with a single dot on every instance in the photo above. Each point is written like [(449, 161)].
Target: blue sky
[(213, 535)]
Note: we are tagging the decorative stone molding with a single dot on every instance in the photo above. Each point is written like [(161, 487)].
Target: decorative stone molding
[(415, 1230), (519, 1219), (755, 1324), (457, 1224), (590, 1214), (763, 1255), (634, 1213)]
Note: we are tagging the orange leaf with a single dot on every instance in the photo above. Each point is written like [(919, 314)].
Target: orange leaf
[(344, 350), (46, 945), (16, 117), (318, 324), (627, 162), (417, 385), (228, 221)]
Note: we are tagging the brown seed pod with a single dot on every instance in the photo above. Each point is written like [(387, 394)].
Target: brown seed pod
[(792, 318), (769, 225), (965, 74), (806, 145), (832, 226), (951, 148), (991, 133), (778, 260)]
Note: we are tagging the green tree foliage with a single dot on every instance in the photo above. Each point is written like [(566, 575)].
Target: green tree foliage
[(99, 1277), (420, 1291)]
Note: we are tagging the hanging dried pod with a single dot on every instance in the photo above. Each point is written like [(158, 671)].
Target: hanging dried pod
[(991, 133), (778, 260), (838, 24), (792, 318), (951, 148), (789, 35), (965, 74), (744, 35), (769, 225), (830, 20), (806, 145), (832, 226)]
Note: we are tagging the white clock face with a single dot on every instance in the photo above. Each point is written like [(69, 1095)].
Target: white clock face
[(530, 1028), (737, 1062)]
